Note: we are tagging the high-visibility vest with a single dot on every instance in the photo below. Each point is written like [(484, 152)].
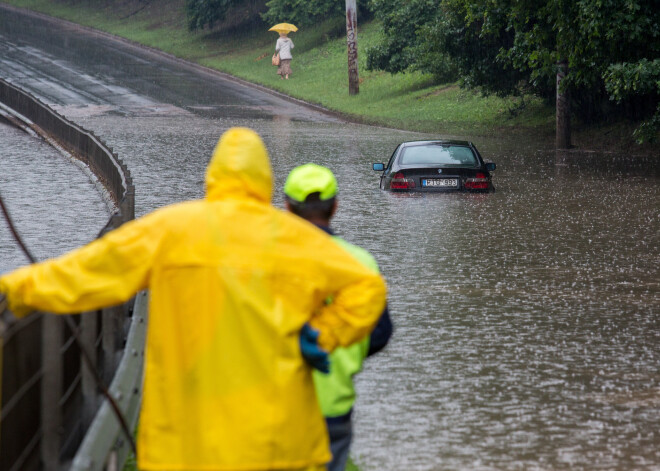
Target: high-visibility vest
[(335, 390)]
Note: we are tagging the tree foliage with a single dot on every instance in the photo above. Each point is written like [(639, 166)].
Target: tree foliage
[(306, 12), (626, 80), (513, 46), (590, 34), (401, 19), (206, 13), (446, 41), (472, 36)]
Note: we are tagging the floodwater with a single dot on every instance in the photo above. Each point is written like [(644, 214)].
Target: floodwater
[(527, 321), (54, 202)]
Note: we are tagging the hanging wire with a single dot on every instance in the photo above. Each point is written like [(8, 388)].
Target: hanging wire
[(76, 335)]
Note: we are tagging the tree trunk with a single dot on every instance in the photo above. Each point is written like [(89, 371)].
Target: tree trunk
[(563, 112), (351, 38)]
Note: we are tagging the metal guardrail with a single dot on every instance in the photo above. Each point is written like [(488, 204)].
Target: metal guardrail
[(104, 447), (49, 401), (29, 112)]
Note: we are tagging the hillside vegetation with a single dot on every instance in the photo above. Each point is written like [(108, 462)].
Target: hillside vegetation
[(406, 101)]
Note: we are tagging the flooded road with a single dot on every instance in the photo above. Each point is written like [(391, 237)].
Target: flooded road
[(54, 202), (527, 321)]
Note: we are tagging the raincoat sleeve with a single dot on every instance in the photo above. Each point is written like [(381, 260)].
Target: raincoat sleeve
[(105, 272), (356, 306)]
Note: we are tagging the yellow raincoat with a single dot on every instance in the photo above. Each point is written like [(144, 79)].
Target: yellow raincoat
[(232, 280)]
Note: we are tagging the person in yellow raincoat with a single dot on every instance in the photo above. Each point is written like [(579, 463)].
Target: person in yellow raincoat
[(233, 281)]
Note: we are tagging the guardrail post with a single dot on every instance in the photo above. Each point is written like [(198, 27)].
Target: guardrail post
[(51, 391), (113, 334), (88, 330), (108, 343)]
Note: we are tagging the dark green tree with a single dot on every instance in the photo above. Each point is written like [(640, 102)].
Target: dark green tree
[(513, 46), (401, 19), (473, 36), (206, 13), (591, 35), (307, 12), (633, 80)]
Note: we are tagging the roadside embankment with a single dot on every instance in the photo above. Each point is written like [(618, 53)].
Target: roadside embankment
[(406, 101)]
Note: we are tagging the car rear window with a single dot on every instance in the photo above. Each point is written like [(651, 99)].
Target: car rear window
[(438, 154)]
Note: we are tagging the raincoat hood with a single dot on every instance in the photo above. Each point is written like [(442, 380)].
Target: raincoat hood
[(239, 167)]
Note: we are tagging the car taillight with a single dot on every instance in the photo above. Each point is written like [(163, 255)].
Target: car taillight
[(400, 182), (479, 182)]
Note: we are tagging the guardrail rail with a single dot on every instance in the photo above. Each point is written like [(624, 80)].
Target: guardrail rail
[(52, 415)]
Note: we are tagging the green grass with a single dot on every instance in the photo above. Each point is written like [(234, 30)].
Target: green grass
[(407, 101)]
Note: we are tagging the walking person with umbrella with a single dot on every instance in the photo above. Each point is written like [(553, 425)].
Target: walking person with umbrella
[(283, 46)]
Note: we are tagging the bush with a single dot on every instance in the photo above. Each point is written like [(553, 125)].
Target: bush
[(308, 12)]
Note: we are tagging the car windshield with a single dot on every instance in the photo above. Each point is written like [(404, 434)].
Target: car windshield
[(437, 154)]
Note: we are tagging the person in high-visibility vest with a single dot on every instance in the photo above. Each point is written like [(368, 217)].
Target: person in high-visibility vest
[(237, 304), (310, 192)]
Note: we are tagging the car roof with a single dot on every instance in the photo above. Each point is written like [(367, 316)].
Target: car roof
[(438, 141)]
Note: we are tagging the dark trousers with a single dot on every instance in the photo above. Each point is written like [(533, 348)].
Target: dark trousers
[(341, 433)]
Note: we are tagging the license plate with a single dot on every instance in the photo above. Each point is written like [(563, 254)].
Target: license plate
[(440, 182)]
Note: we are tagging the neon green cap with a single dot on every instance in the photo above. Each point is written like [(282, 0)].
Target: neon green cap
[(310, 178)]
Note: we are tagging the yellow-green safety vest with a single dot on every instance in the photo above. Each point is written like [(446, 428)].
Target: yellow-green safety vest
[(335, 390)]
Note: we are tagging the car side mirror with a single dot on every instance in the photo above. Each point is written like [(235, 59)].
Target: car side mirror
[(490, 166), (379, 167)]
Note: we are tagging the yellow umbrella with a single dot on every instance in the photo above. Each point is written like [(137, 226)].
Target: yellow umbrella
[(284, 28)]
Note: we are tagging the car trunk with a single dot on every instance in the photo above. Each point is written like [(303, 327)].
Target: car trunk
[(440, 179)]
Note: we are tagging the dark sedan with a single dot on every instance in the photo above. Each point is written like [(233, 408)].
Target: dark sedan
[(436, 166)]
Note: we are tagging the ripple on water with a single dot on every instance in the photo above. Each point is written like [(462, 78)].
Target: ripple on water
[(54, 204)]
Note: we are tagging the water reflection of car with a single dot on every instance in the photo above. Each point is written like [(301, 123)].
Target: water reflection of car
[(436, 166)]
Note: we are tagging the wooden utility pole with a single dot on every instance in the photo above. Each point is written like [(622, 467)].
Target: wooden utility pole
[(351, 38), (563, 112)]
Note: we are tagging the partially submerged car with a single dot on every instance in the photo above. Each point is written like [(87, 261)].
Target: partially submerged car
[(436, 166)]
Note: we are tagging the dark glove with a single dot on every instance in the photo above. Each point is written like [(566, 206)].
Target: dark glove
[(311, 352)]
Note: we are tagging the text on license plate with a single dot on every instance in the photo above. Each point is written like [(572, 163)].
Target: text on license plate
[(442, 182)]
